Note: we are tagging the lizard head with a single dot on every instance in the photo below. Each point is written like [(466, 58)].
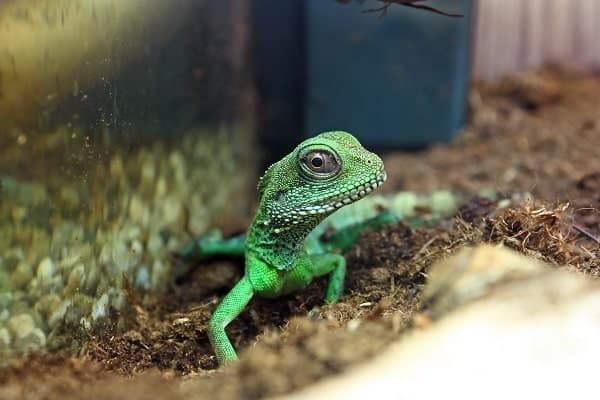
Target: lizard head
[(321, 175)]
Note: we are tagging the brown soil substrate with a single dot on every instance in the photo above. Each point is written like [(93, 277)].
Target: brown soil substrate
[(534, 133)]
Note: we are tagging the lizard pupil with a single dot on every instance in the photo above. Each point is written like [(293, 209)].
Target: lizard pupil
[(317, 161)]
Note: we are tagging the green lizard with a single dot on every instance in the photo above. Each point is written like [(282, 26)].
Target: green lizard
[(297, 193)]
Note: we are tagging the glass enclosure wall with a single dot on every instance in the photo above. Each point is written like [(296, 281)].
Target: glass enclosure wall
[(125, 130)]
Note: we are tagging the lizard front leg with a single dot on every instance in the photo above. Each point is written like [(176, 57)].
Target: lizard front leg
[(231, 306), (335, 266)]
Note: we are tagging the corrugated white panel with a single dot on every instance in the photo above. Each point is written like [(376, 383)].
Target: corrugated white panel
[(516, 35), (532, 47)]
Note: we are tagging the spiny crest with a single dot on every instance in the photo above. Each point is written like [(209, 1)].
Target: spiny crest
[(342, 138), (263, 181)]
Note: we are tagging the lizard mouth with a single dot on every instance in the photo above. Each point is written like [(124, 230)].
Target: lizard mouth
[(360, 191), (355, 193)]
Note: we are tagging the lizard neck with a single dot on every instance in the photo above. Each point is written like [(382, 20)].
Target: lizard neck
[(276, 242)]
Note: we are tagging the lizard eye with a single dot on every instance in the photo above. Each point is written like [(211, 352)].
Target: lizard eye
[(321, 163)]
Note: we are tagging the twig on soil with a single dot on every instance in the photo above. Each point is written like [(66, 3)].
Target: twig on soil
[(536, 228), (586, 233), (587, 251), (425, 246)]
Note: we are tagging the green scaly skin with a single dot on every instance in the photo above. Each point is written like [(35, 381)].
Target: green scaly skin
[(296, 194)]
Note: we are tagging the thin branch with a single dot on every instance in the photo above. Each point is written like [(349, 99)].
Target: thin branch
[(406, 3), (586, 233), (411, 3)]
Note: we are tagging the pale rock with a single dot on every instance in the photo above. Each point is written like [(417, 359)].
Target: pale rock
[(130, 232), (137, 251), (177, 163), (118, 300), (121, 256), (116, 167), (159, 272), (105, 257), (198, 215), (45, 270), (471, 274), (92, 277), (47, 303), (75, 255), (100, 307), (5, 339), (6, 299), (161, 189), (507, 327), (75, 280), (58, 314), (33, 341), (139, 211), (85, 323), (174, 244), (155, 244), (22, 275), (148, 172), (142, 278), (20, 325), (4, 315), (171, 210)]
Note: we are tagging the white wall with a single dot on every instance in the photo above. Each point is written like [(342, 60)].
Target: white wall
[(515, 35)]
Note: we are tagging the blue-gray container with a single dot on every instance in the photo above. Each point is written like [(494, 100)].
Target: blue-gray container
[(398, 80)]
